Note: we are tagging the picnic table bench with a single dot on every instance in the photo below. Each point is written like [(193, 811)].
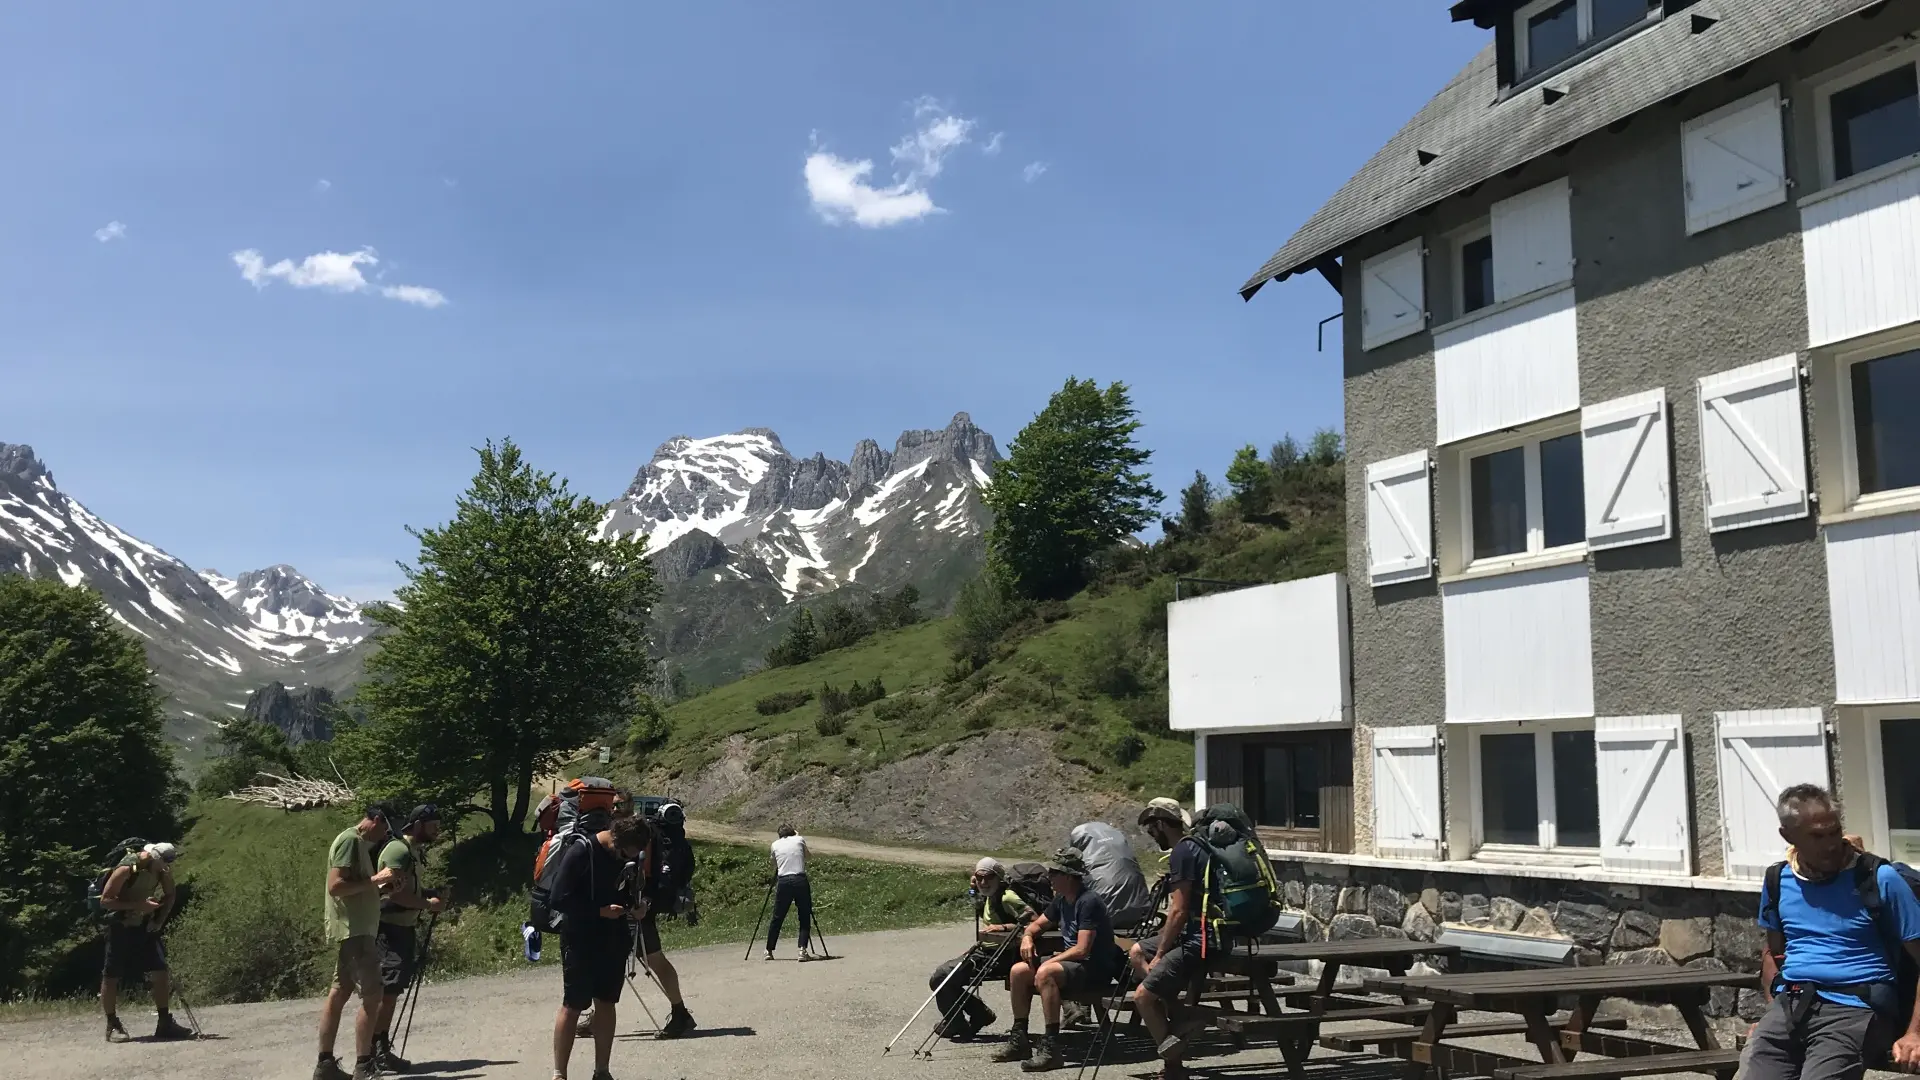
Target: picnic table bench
[(1534, 994)]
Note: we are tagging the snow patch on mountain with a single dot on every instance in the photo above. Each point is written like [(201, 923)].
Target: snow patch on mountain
[(282, 601)]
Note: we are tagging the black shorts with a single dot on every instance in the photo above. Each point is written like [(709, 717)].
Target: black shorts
[(649, 935), (592, 967), (1168, 976), (133, 952), (397, 954), (1082, 977)]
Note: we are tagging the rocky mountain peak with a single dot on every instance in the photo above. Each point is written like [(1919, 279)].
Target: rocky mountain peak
[(870, 464), (961, 443), (18, 460), (303, 713)]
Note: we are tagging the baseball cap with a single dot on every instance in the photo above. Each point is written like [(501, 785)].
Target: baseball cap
[(165, 852), (424, 812)]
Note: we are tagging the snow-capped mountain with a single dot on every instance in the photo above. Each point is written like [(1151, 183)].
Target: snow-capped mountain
[(206, 653), (282, 600), (739, 527)]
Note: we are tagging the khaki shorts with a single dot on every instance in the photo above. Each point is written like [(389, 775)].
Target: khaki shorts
[(358, 966)]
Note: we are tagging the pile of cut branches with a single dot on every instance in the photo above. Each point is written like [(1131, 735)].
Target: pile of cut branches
[(294, 793)]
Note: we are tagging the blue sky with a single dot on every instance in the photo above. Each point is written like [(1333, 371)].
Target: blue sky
[(594, 226)]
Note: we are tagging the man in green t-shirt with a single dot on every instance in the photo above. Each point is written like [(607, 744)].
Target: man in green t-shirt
[(1001, 911), (352, 908), (399, 917), (138, 898)]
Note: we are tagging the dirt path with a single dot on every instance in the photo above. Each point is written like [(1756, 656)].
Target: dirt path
[(826, 845)]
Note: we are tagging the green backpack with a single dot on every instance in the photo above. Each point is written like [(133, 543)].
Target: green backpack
[(1242, 896), (99, 884)]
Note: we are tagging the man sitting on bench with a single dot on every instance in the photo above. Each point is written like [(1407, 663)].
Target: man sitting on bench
[(1088, 962), (1165, 967)]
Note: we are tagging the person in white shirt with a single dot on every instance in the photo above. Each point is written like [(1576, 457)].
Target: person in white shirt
[(791, 888)]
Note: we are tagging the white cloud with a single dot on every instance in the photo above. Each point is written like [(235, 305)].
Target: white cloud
[(111, 231), (993, 144), (1033, 171), (322, 186), (842, 190), (331, 271)]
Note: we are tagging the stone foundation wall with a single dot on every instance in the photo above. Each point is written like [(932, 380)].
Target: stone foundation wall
[(1607, 924)]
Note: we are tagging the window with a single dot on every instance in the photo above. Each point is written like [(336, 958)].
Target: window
[(1283, 784), (1476, 274), (1899, 745), (1550, 31), (1525, 497), (1875, 121), (1886, 440), (1539, 788)]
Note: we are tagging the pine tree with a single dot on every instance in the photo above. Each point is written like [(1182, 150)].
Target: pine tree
[(520, 636), (1071, 487), (1196, 505)]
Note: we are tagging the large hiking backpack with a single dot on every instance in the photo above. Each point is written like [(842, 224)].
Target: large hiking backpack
[(98, 887), (1866, 883), (1241, 894), (1031, 883), (574, 813), (1113, 873)]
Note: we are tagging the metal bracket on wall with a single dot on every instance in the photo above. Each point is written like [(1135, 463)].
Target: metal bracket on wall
[(1320, 338)]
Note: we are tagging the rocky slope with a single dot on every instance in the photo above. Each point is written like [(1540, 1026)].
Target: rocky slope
[(741, 529), (302, 714), (206, 652)]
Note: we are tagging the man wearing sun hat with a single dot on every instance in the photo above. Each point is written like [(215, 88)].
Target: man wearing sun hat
[(138, 899), (1088, 960)]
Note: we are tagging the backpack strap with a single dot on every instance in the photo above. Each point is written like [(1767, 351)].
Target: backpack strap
[(1866, 882), (1770, 895)]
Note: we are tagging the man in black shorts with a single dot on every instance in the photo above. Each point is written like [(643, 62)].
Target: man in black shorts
[(1166, 966), (595, 935), (138, 900), (1089, 961), (396, 940)]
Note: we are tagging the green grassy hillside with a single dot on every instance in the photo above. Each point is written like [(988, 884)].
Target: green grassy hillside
[(1089, 672)]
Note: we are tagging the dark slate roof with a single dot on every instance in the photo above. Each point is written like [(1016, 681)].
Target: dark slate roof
[(1471, 136)]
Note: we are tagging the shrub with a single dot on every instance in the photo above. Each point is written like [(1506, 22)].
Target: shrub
[(254, 936), (784, 701), (1108, 667), (649, 728), (898, 709), (862, 694), (830, 724), (834, 701), (985, 610), (1128, 748)]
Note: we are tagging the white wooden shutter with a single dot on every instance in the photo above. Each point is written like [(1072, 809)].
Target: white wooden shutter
[(1642, 767), (1406, 792), (1753, 454), (1533, 240), (1399, 519), (1623, 454), (1735, 161), (1762, 754), (1393, 295)]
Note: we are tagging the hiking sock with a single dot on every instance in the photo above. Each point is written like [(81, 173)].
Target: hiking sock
[(1053, 1032)]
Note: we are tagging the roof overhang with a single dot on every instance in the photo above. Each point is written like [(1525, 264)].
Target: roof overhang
[(1482, 13)]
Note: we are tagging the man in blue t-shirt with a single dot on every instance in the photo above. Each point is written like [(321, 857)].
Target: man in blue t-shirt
[(1088, 961), (1167, 965), (1826, 969)]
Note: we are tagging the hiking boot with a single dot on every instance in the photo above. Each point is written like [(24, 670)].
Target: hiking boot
[(117, 1031), (769, 955), (1048, 1059), (583, 1027), (386, 1059), (166, 1027), (366, 1068), (329, 1069), (679, 1022), (602, 1074), (1019, 1047), (807, 954), (959, 1029), (1073, 1014), (980, 1016)]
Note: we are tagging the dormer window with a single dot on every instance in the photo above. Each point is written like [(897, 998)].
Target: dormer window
[(1549, 32)]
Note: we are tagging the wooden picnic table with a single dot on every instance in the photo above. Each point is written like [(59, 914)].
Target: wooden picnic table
[(1535, 993), (1297, 1030)]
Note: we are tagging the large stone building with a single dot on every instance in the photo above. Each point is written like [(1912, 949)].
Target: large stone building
[(1632, 371)]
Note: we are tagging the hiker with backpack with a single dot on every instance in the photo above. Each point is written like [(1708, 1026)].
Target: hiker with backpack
[(1001, 910), (1167, 964), (136, 896), (400, 912), (352, 911), (589, 905), (1842, 925), (1088, 962), (668, 891)]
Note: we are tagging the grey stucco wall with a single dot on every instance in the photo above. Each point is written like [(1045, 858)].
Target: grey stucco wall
[(1693, 625)]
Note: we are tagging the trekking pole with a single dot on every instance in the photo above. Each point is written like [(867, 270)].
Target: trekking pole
[(1106, 1029), (923, 1005), (768, 899), (188, 1005), (412, 1004), (979, 976)]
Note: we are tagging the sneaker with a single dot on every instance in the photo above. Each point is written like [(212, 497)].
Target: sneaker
[(769, 955), (602, 1074), (807, 954), (1019, 1047), (583, 1027), (679, 1022), (329, 1069), (166, 1027), (117, 1031), (1048, 1059)]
